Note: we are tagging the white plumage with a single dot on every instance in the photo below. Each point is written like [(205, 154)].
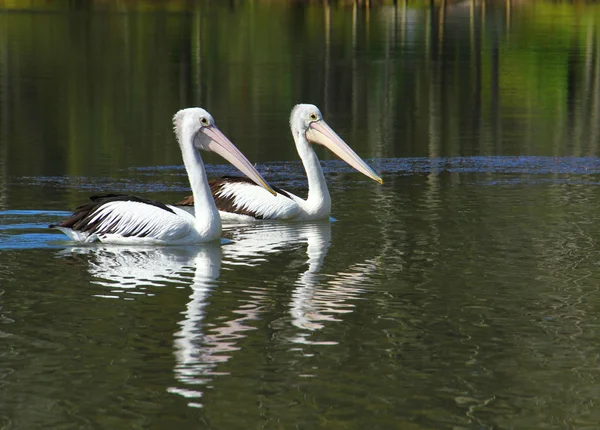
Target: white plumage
[(123, 219), (252, 199), (122, 222)]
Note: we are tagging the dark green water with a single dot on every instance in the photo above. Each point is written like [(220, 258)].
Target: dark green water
[(463, 293)]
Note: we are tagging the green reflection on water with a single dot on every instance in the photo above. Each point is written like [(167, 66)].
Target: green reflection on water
[(91, 91)]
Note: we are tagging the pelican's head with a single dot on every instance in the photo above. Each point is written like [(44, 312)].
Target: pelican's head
[(307, 120), (197, 126)]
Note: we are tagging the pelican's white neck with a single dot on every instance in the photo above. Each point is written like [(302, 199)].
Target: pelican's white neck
[(208, 222), (318, 202)]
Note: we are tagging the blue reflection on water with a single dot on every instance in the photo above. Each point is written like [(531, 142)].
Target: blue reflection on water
[(524, 165), (19, 229), (291, 174)]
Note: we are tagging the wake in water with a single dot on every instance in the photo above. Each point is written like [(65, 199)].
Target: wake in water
[(27, 229)]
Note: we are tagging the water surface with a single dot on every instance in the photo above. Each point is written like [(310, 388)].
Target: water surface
[(463, 293)]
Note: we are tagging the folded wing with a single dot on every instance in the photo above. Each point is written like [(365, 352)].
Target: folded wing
[(241, 196), (127, 216)]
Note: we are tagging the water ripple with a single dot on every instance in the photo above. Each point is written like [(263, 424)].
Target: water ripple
[(291, 173), (513, 165)]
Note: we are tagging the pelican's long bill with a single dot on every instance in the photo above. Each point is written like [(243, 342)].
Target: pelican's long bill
[(219, 144), (319, 132)]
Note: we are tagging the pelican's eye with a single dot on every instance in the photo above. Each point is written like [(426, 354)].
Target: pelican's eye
[(203, 121), (313, 117)]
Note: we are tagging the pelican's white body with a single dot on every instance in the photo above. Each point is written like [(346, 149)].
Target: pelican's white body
[(162, 227), (131, 220), (317, 205), (280, 207)]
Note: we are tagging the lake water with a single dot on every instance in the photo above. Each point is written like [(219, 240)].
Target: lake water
[(463, 293)]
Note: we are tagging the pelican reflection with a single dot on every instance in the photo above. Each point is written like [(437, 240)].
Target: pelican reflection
[(127, 271), (130, 271), (252, 244), (316, 298), (212, 324)]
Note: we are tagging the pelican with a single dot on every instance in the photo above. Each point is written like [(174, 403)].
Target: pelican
[(124, 219), (239, 200)]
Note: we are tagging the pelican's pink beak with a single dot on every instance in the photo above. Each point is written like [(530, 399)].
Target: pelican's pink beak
[(319, 132), (219, 144)]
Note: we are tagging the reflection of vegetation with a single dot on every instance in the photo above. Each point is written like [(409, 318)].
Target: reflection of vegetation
[(394, 80)]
